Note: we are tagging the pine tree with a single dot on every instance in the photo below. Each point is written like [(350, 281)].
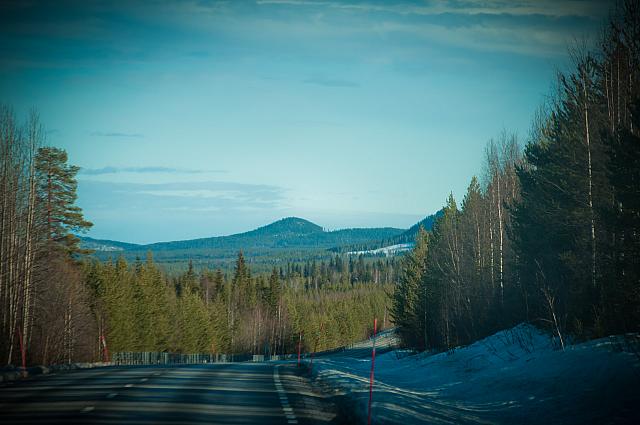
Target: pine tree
[(239, 288), (193, 324), (622, 295), (57, 193), (153, 310), (119, 305), (475, 293), (444, 278), (188, 282), (273, 292), (405, 309), (559, 226)]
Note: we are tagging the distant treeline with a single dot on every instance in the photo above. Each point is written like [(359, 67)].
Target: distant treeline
[(343, 270), (137, 308), (408, 236), (287, 240), (262, 260), (551, 236)]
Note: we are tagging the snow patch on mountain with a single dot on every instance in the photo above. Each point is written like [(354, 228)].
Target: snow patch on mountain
[(386, 250)]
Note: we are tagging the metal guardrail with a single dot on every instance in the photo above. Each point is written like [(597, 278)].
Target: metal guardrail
[(160, 358), (151, 358), (385, 341)]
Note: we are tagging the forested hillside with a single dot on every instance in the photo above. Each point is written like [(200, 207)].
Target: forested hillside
[(408, 236), (291, 239), (551, 236)]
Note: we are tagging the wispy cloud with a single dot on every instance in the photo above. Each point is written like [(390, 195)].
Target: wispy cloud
[(526, 27), (143, 170), (516, 7), (330, 82), (185, 196), (117, 134), (81, 37), (180, 210)]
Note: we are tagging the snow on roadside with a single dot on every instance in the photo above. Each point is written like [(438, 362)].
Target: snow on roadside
[(513, 377)]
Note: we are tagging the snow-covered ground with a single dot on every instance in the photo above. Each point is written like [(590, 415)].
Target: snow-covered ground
[(385, 250), (516, 376)]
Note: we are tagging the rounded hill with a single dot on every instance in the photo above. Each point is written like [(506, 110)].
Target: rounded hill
[(289, 226)]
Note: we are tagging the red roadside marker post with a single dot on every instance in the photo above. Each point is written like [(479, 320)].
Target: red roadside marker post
[(105, 350), (373, 361)]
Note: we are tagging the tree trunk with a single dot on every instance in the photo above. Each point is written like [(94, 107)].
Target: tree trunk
[(501, 238), (590, 178)]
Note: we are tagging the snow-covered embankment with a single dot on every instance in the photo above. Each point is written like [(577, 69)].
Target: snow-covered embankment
[(516, 376)]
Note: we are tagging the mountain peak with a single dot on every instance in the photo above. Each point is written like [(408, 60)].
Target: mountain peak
[(289, 225)]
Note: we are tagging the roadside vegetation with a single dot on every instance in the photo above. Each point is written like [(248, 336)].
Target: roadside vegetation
[(551, 236), (138, 308)]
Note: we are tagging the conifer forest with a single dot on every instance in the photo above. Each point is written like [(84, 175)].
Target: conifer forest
[(548, 233)]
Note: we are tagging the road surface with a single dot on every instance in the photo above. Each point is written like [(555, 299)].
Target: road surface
[(222, 393)]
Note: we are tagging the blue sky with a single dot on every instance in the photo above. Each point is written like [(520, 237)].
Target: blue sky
[(201, 118)]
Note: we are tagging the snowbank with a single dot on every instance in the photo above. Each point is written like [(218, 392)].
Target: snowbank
[(516, 376)]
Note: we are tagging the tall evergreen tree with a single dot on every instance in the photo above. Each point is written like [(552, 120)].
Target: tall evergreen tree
[(443, 280), (475, 285), (560, 230), (405, 310), (622, 295), (57, 187), (273, 292)]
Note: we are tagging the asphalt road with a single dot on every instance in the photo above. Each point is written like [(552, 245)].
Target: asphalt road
[(223, 393)]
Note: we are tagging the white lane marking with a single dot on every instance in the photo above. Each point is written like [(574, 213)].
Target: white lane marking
[(87, 409), (284, 401), (112, 395)]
